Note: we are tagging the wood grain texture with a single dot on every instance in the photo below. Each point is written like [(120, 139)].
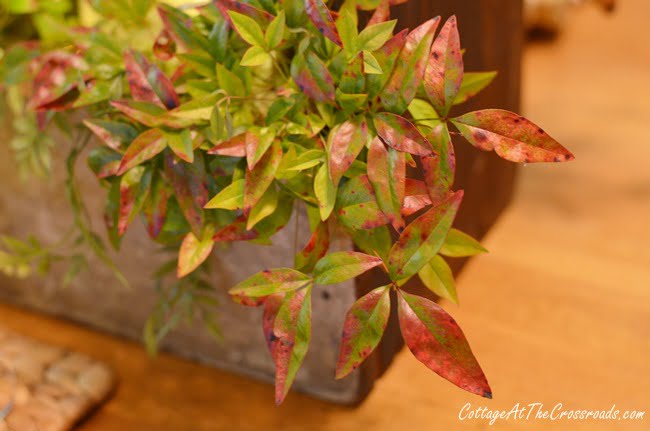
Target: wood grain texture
[(558, 312)]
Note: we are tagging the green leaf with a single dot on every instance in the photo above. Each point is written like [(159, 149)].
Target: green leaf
[(146, 146), (439, 171), (347, 29), (258, 141), (375, 36), (275, 31), (422, 239), (255, 56), (229, 82), (260, 178), (437, 341), (272, 281), (325, 192), (193, 252), (264, 208), (511, 136), (473, 83), (315, 249), (342, 266), (423, 113), (371, 64), (364, 326), (291, 336), (438, 278), (181, 144), (459, 244), (230, 198), (307, 160), (248, 29)]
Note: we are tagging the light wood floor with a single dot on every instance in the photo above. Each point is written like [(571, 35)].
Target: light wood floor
[(558, 312)]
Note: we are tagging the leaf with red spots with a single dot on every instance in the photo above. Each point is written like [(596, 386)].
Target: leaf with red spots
[(357, 205), (437, 341), (417, 197), (511, 136), (260, 16), (236, 231), (409, 68), (444, 73), (422, 239), (257, 143), (192, 253), (190, 187), (112, 133), (134, 188), (56, 80), (147, 82), (313, 78), (260, 178), (271, 281), (272, 305), (346, 142), (234, 147), (315, 249), (364, 326), (321, 17), (342, 266), (440, 171), (147, 145), (397, 132), (291, 333), (387, 174), (149, 114), (387, 57), (155, 208)]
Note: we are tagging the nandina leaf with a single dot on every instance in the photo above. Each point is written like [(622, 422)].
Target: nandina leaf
[(397, 132), (342, 266), (374, 36), (417, 197), (146, 113), (437, 341), (181, 144), (357, 205), (104, 162), (272, 305), (292, 332), (259, 15), (444, 73), (306, 160), (263, 208), (180, 26), (423, 113), (230, 198), (473, 83), (353, 80), (271, 281), (315, 249), (247, 28), (147, 82), (155, 209), (422, 239), (112, 133), (346, 143), (192, 253), (511, 136), (278, 220), (409, 68), (275, 31), (439, 171), (381, 14), (146, 146), (321, 17), (364, 326), (313, 78), (260, 178), (346, 27), (235, 147), (438, 278), (164, 47), (255, 56), (257, 143), (236, 231), (230, 82), (191, 189), (325, 192), (459, 244), (387, 174), (58, 75), (386, 57), (128, 190)]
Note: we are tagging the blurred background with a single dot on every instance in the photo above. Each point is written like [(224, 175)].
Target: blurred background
[(558, 312)]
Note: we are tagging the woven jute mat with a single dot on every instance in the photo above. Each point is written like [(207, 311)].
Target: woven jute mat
[(45, 387)]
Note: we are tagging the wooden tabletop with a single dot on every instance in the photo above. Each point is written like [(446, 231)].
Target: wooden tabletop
[(558, 312)]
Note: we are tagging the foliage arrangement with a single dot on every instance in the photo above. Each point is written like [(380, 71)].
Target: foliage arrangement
[(213, 122)]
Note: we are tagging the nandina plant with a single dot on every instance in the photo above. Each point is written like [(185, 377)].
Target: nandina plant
[(239, 114)]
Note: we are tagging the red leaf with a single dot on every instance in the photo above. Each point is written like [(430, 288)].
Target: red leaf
[(190, 188), (313, 78), (347, 141), (146, 146), (315, 249), (417, 197), (386, 56), (364, 326), (511, 136), (437, 341), (127, 201), (292, 332), (258, 15), (164, 48), (322, 18), (439, 172), (112, 133), (147, 82), (260, 178), (57, 76), (236, 231), (381, 14), (272, 305), (397, 132), (235, 147), (444, 73), (155, 209), (387, 174), (358, 208), (409, 68)]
